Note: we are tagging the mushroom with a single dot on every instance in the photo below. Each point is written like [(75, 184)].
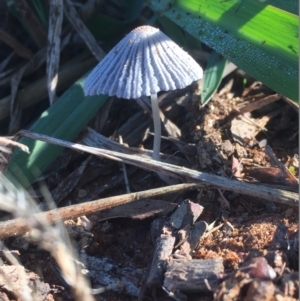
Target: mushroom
[(143, 63)]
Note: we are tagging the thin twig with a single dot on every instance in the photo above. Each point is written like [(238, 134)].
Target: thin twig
[(223, 199), (245, 118), (20, 226), (282, 167), (20, 49), (260, 191), (259, 103)]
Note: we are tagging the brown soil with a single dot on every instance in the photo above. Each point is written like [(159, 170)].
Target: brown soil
[(254, 225)]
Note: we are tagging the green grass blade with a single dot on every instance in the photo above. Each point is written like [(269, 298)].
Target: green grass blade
[(64, 120), (291, 6), (260, 39), (212, 76), (173, 31), (115, 29), (133, 9)]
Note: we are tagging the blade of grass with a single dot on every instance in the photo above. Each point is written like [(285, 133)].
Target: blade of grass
[(260, 39), (212, 76), (181, 37), (64, 120), (173, 31), (40, 11), (291, 6), (133, 9), (178, 35), (192, 42), (115, 28)]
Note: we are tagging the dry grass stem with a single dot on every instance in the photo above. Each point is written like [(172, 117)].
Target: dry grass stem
[(15, 107), (15, 45), (21, 287), (5, 142), (32, 22), (53, 53), (20, 226), (260, 191), (37, 91), (51, 238), (94, 139), (82, 30)]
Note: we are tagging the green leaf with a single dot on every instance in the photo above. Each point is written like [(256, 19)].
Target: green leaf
[(173, 31), (152, 21), (106, 29), (133, 9), (292, 170), (179, 36), (63, 120), (261, 39), (192, 42), (212, 76), (291, 6)]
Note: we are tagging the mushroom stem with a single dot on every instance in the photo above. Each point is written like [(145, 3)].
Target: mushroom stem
[(157, 127)]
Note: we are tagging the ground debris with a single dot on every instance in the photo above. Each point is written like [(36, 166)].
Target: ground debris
[(251, 251), (193, 275), (172, 265), (17, 281)]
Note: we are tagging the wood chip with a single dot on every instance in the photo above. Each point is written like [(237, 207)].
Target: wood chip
[(193, 276)]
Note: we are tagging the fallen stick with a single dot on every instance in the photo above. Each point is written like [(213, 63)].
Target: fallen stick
[(260, 191), (19, 226)]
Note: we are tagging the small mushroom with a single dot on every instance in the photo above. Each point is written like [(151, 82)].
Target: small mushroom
[(143, 63)]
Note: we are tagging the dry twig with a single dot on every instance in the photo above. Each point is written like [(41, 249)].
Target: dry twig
[(282, 167), (260, 191), (20, 226)]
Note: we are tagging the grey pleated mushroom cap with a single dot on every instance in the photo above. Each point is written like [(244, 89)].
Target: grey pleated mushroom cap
[(145, 62)]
